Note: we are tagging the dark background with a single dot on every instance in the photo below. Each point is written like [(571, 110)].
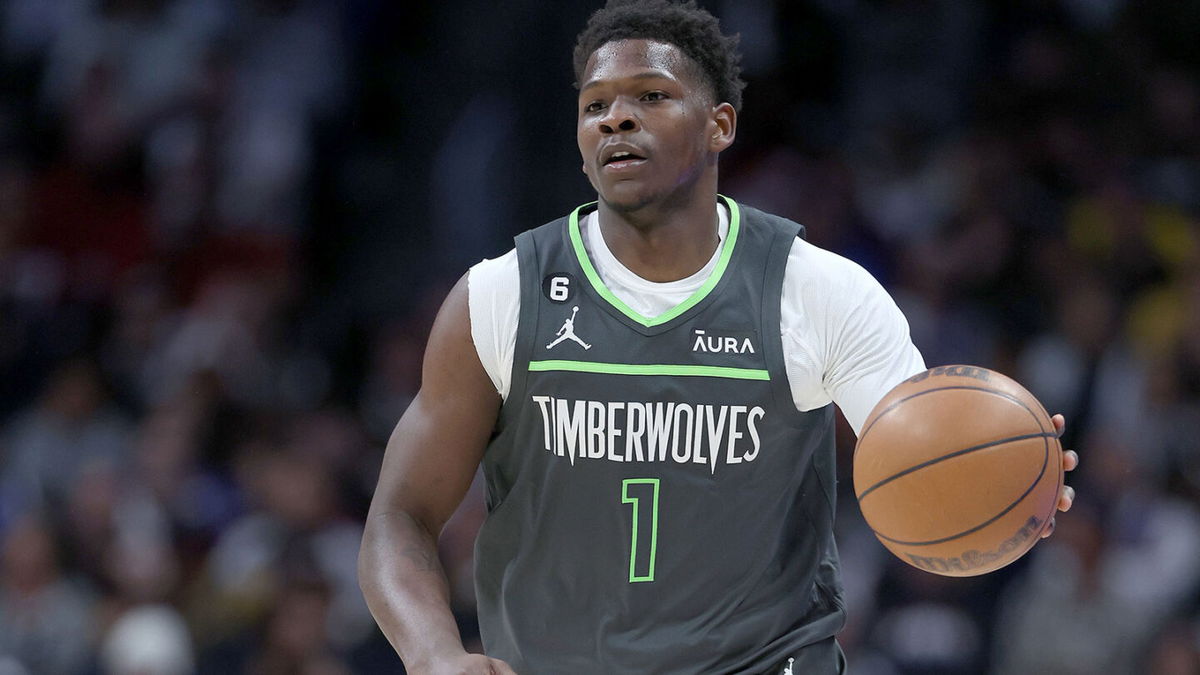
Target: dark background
[(225, 227)]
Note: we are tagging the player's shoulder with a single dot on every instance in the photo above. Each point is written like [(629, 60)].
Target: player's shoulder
[(494, 275), (822, 270), (820, 261)]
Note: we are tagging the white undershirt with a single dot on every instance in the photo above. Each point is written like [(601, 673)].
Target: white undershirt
[(844, 339)]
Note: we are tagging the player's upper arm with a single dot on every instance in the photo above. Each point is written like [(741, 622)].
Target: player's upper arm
[(438, 443), (867, 347)]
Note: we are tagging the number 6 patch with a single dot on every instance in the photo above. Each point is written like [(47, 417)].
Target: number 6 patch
[(558, 287)]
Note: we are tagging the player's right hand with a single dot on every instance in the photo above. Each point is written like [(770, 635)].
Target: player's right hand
[(468, 664)]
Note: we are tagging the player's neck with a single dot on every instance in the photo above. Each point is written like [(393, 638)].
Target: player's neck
[(664, 242)]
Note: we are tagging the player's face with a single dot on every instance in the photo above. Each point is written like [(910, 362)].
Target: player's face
[(648, 128)]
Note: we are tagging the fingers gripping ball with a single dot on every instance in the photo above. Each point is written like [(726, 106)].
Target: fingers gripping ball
[(958, 470)]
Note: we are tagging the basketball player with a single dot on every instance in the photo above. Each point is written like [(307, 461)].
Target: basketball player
[(647, 383)]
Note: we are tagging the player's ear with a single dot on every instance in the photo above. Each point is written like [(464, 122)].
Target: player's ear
[(722, 127)]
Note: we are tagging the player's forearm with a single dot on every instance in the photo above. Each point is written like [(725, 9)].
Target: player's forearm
[(406, 589)]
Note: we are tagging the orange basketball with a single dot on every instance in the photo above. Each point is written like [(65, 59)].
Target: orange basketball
[(958, 470)]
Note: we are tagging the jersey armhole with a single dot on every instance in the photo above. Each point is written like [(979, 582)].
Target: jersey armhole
[(526, 318), (774, 276)]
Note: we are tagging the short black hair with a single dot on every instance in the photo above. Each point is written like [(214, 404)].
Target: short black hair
[(683, 24)]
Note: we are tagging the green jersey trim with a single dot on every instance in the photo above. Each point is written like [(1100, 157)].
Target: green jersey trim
[(735, 222), (633, 539), (672, 370)]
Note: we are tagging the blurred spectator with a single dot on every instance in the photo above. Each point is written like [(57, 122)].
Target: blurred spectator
[(1083, 367), (926, 625), (45, 619), (293, 638), (69, 430), (172, 469), (288, 70), (297, 520), (1062, 618)]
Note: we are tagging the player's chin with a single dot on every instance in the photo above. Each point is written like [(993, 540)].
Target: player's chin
[(626, 196)]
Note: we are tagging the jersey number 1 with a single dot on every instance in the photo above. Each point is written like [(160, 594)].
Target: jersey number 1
[(642, 493)]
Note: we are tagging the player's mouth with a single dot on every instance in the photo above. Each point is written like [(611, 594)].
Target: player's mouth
[(621, 157)]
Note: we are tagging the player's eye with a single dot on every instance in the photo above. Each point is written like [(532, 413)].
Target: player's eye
[(594, 106), (654, 96)]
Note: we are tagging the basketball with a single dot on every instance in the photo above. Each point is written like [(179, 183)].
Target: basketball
[(958, 470)]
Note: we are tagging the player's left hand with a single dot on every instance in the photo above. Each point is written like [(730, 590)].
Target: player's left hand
[(1070, 460)]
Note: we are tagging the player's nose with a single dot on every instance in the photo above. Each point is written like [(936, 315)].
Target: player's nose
[(618, 117)]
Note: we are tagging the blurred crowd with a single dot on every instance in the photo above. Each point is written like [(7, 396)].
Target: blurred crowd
[(225, 226)]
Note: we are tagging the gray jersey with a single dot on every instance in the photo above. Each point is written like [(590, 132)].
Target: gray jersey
[(656, 503)]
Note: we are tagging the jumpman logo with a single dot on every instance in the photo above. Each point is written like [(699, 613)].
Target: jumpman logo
[(567, 332), (788, 670)]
